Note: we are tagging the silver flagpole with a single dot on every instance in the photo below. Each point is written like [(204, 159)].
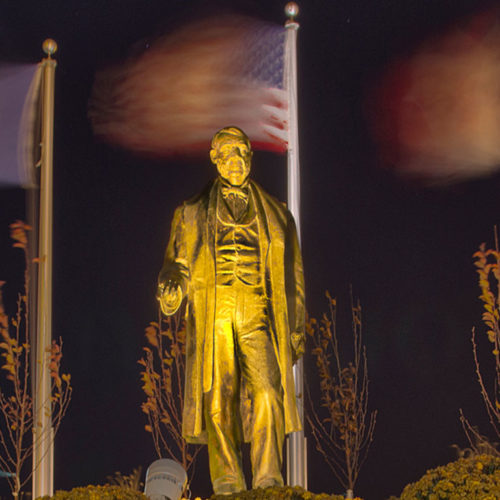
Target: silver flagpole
[(43, 442), (296, 443)]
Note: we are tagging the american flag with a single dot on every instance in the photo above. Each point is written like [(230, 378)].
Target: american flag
[(436, 113), (173, 97), (19, 123)]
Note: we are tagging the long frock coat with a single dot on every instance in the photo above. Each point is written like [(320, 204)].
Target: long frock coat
[(190, 260)]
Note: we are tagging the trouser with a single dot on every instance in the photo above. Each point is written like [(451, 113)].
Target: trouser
[(243, 348)]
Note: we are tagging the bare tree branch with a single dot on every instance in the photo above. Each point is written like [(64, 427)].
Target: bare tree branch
[(162, 375), (487, 262), (345, 430), (16, 401)]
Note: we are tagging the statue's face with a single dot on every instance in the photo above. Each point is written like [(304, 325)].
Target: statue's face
[(233, 158)]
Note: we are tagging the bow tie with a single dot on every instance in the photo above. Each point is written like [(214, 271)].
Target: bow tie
[(232, 191)]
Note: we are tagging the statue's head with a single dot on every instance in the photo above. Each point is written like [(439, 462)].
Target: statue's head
[(232, 154)]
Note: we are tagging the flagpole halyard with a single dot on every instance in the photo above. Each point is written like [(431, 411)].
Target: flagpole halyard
[(296, 444), (43, 444)]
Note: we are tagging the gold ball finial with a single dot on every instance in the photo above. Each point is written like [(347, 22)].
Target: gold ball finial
[(291, 10), (49, 46)]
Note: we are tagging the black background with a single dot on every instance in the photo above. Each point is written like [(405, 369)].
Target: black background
[(406, 249)]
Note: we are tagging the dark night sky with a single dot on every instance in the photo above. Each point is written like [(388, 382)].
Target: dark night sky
[(406, 249)]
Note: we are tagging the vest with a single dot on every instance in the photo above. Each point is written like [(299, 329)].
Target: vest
[(237, 250)]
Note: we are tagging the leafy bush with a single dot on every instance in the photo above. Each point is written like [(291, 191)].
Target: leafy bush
[(131, 481), (277, 493), (98, 493), (474, 478), (119, 493)]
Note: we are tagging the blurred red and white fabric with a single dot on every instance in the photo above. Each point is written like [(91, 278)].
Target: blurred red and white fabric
[(173, 97), (19, 123), (436, 114)]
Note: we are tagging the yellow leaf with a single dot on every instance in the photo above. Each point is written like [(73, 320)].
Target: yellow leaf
[(151, 336), (9, 368)]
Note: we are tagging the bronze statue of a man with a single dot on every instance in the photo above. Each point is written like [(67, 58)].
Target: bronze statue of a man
[(233, 251)]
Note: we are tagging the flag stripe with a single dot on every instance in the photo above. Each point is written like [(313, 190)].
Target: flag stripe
[(208, 75)]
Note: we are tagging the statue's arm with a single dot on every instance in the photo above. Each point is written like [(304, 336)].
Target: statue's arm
[(295, 291), (174, 275)]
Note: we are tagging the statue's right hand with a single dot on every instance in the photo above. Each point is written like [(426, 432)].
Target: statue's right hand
[(169, 294)]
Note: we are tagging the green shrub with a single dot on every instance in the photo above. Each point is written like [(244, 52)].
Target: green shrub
[(277, 493), (473, 478), (120, 493), (98, 493)]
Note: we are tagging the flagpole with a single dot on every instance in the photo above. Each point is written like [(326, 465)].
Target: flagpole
[(296, 444), (43, 443)]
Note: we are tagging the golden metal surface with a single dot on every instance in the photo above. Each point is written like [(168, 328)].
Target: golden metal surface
[(291, 10), (233, 252), (49, 47)]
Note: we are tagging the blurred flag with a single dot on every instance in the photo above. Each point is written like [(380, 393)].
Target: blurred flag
[(19, 123), (436, 115), (174, 96)]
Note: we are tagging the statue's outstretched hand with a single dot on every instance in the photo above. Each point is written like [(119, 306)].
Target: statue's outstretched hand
[(169, 294)]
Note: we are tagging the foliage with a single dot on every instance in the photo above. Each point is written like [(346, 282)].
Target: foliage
[(344, 435), (487, 262), (97, 493), (480, 445), (278, 493), (16, 400), (473, 478), (132, 481), (163, 383), (122, 493)]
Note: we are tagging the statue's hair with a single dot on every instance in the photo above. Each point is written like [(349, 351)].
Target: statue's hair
[(228, 132)]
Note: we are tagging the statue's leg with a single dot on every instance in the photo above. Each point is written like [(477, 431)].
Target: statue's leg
[(260, 369), (222, 403)]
